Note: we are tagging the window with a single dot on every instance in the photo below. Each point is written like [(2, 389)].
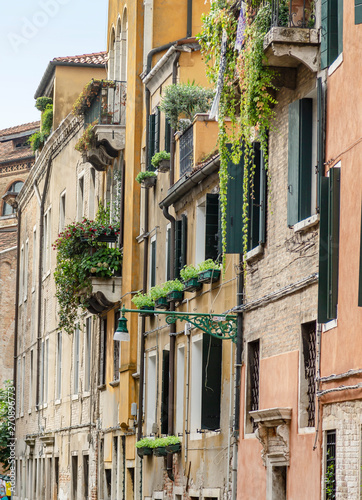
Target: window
[(80, 204), (31, 379), (74, 477), (47, 241), (26, 270), (205, 383), (56, 474), (180, 244), (41, 389), (300, 171), (62, 212), (153, 262), (85, 477), (253, 378), (180, 382), (59, 367), (167, 135), (207, 229), (168, 252), (116, 350), (329, 246), (21, 275), (330, 465), (22, 386), (153, 136), (46, 369), (76, 360), (91, 200), (103, 351), (257, 201), (35, 264), (87, 354), (307, 374), (165, 391), (14, 188), (357, 12), (331, 31), (151, 392), (115, 478)]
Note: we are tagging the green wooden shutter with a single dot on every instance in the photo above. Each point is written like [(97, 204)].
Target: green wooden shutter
[(151, 140), (257, 208), (334, 195), (305, 159), (263, 204), (211, 382), (320, 137), (234, 209), (153, 263), (167, 135), (340, 26), (165, 391), (178, 225), (293, 163), (168, 257), (357, 11), (323, 252), (333, 30), (324, 34), (157, 132), (360, 268), (183, 256), (212, 226)]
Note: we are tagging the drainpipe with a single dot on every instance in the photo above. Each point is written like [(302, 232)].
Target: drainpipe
[(40, 267), (16, 303), (238, 364)]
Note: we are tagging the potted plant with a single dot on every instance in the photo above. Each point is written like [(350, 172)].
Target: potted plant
[(174, 290), (158, 294), (147, 178), (144, 447), (208, 271), (189, 277), (144, 301), (161, 161), (165, 445)]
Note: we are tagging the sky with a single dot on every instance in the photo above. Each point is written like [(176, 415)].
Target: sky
[(32, 33)]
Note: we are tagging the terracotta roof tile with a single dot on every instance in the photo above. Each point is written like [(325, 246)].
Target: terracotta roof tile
[(18, 129), (95, 58)]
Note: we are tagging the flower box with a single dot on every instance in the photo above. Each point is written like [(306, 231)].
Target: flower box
[(164, 166), (149, 182), (109, 238), (175, 295), (209, 276), (162, 303), (144, 451), (192, 285), (160, 451), (173, 448), (148, 309)]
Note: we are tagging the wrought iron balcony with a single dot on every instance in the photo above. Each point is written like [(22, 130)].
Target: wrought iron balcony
[(293, 14), (187, 151)]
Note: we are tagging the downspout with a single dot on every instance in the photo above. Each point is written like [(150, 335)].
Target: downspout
[(16, 304), (238, 364), (41, 236)]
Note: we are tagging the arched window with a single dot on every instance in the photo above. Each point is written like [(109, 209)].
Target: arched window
[(14, 188), (117, 51), (124, 36), (111, 55)]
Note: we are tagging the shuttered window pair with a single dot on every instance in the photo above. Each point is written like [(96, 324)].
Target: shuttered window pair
[(257, 205), (332, 29), (153, 136)]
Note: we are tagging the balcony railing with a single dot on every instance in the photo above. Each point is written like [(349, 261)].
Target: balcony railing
[(186, 151), (109, 106), (293, 14)]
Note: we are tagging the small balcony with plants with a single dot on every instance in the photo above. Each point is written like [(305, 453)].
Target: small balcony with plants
[(102, 105), (88, 271)]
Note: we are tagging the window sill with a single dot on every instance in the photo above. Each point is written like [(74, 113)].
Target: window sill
[(255, 252), (335, 64), (102, 387), (45, 405), (57, 402), (329, 326), (306, 223), (249, 435), (306, 430), (75, 397), (86, 394), (114, 383)]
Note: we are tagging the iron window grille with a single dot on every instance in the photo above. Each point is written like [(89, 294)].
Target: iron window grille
[(330, 475), (186, 151), (309, 354)]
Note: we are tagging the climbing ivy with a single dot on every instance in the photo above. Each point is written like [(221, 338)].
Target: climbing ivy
[(246, 96)]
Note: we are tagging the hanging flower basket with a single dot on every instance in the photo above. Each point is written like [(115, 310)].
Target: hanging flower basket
[(109, 238), (175, 295), (209, 276), (148, 309), (144, 451), (192, 285), (162, 303), (149, 182), (173, 448), (160, 451), (164, 166)]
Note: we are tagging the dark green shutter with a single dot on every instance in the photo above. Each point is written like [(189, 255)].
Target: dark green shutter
[(331, 31), (151, 140), (178, 225), (256, 211), (357, 11), (168, 256), (234, 208), (212, 226), (183, 256), (211, 382), (334, 195), (262, 226), (293, 162), (324, 34), (323, 252), (165, 391), (320, 137), (153, 263), (167, 135), (360, 268), (157, 131), (340, 27)]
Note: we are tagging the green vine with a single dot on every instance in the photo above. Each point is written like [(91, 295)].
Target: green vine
[(88, 138), (246, 98)]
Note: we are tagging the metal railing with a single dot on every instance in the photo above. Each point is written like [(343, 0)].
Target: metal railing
[(109, 106), (293, 13), (186, 151)]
